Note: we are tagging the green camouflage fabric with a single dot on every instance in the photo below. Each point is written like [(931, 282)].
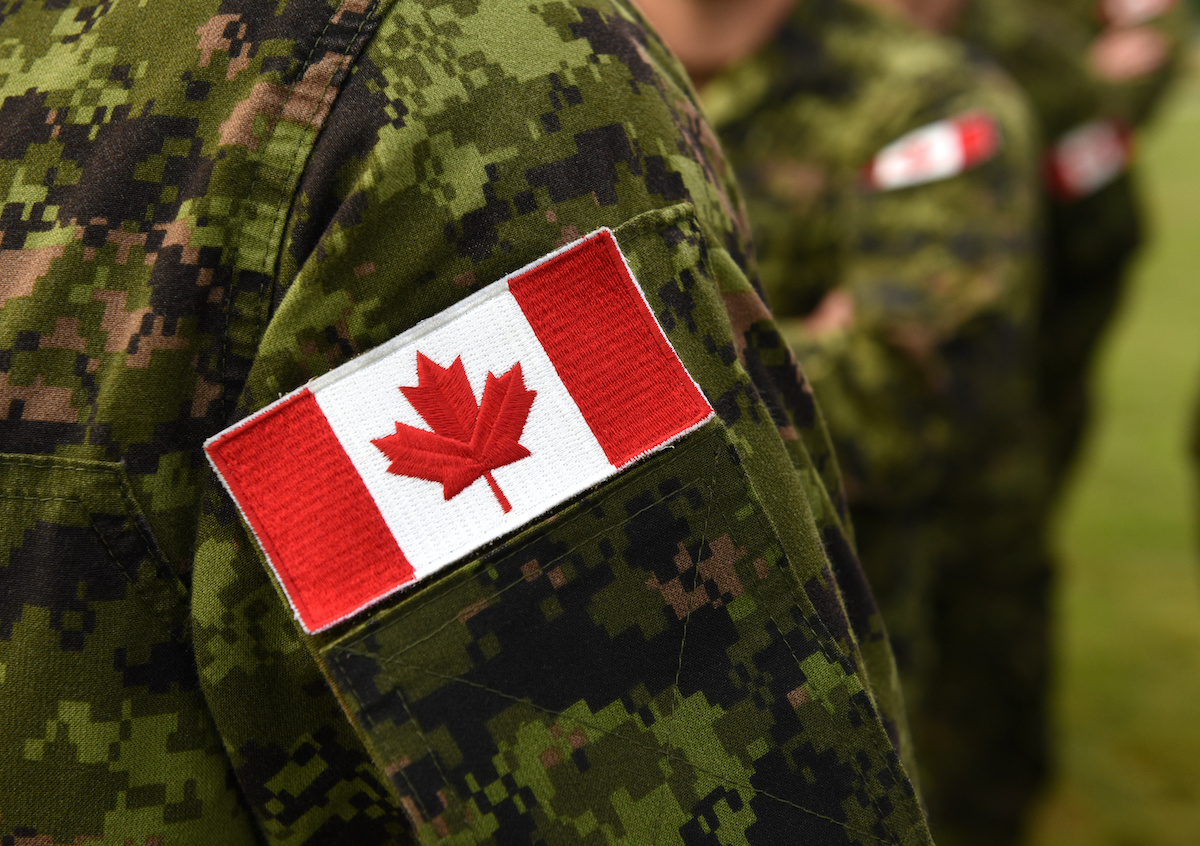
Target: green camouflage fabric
[(209, 203), (928, 391), (1084, 229), (1090, 240), (1135, 100), (1045, 44), (1089, 243), (1042, 45)]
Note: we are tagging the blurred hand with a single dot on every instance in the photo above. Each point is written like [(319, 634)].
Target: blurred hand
[(833, 314), (1120, 55)]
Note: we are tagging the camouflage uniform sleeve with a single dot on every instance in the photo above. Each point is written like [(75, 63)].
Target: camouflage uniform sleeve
[(674, 656), (1094, 218), (207, 204), (938, 275), (1041, 45), (894, 283)]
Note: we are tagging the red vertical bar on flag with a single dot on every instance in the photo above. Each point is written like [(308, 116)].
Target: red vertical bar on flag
[(310, 510), (590, 317)]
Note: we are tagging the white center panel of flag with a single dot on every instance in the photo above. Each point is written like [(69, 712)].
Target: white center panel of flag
[(924, 155), (490, 337)]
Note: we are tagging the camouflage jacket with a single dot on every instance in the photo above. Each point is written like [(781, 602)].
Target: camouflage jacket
[(1094, 220), (940, 271), (1047, 46), (1042, 45), (210, 203), (1134, 51)]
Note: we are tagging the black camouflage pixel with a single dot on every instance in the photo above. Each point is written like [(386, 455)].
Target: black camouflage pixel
[(500, 696)]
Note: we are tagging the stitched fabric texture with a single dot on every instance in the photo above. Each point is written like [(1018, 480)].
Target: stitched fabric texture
[(500, 694), (209, 205)]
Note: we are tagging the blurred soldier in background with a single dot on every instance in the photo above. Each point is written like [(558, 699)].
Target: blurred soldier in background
[(892, 190), (1135, 50), (1093, 71)]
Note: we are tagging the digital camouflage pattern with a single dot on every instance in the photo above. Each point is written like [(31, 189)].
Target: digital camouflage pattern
[(928, 388), (1042, 46), (208, 204), (799, 121), (1135, 100)]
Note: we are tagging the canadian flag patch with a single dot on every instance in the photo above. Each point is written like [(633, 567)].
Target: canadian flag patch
[(1133, 12), (462, 429), (1087, 158), (937, 151)]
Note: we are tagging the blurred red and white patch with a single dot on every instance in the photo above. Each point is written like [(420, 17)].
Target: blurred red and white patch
[(1088, 158), (934, 152)]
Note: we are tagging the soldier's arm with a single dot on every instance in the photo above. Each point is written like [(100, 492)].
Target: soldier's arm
[(930, 269), (210, 204), (671, 650), (656, 633), (894, 219)]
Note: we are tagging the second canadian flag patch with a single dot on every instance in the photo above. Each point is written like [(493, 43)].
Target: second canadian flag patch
[(935, 151), (462, 429)]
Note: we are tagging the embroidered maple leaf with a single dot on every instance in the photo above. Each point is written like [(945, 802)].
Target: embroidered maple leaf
[(468, 440)]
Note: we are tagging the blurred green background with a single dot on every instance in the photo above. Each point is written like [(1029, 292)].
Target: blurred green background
[(1127, 701)]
